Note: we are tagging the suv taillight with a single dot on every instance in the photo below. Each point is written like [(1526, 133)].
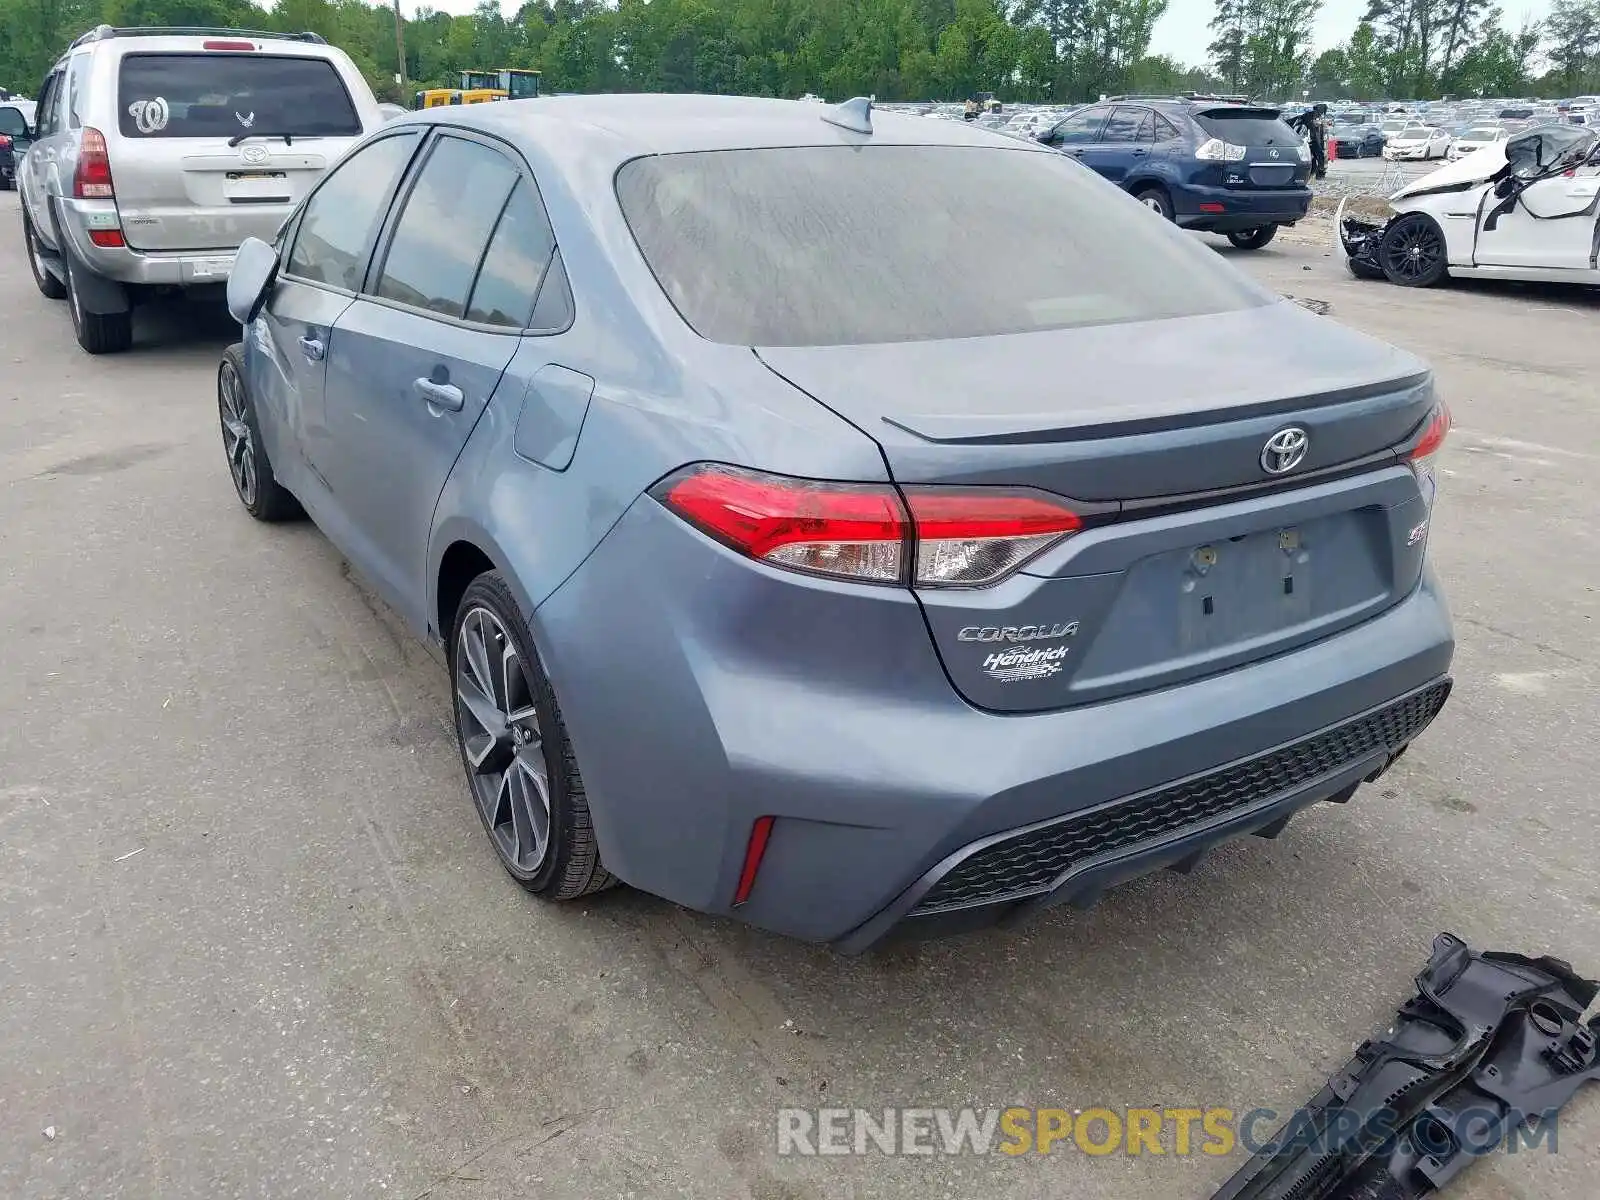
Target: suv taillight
[(5, 141), (1217, 150), (869, 532), (92, 179)]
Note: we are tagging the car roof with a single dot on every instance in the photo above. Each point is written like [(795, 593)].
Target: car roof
[(621, 127)]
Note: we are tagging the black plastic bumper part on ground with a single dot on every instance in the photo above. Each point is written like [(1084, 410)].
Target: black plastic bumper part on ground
[(1491, 1045)]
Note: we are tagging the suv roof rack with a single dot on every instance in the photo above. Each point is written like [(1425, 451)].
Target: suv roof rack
[(1185, 96), (101, 33)]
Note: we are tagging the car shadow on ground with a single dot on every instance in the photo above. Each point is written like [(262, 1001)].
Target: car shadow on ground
[(172, 323)]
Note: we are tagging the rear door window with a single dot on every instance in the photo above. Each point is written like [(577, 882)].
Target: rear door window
[(515, 265), (1127, 125), (443, 233), (1247, 127), (227, 94)]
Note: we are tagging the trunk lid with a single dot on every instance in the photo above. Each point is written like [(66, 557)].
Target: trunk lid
[(1195, 558), (202, 194)]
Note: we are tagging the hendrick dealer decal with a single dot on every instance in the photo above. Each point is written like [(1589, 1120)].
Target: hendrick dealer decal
[(1021, 662)]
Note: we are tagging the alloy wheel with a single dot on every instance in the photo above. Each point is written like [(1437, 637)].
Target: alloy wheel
[(502, 741), (1413, 251), (237, 439)]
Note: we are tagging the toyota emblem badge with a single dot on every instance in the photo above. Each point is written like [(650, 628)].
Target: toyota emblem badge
[(254, 154), (1285, 450)]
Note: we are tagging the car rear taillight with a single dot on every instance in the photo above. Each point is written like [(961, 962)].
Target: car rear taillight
[(5, 141), (868, 532), (1424, 456), (92, 179), (1217, 150), (973, 538)]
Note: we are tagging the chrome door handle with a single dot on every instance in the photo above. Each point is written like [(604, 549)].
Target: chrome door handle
[(440, 395), (312, 348)]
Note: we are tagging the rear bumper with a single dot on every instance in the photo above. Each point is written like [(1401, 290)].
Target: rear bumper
[(733, 691), (1076, 858), (171, 268), (1240, 209)]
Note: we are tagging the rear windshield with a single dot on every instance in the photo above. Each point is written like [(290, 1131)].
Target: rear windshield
[(1247, 127), (834, 245), (225, 95)]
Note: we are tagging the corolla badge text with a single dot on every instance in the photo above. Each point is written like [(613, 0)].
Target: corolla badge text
[(1017, 633)]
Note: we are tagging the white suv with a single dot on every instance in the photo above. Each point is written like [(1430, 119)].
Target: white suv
[(157, 151)]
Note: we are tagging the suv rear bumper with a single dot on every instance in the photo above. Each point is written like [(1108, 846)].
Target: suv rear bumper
[(1231, 210), (737, 691), (154, 268)]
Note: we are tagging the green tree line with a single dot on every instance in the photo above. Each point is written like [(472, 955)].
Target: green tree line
[(895, 49), (1412, 49), (1022, 50)]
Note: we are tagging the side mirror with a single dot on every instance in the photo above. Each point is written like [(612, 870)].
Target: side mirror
[(255, 270)]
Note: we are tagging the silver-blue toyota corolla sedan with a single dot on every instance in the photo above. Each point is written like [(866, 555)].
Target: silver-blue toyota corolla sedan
[(849, 522)]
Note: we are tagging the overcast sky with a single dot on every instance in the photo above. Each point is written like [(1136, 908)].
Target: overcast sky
[(1182, 32)]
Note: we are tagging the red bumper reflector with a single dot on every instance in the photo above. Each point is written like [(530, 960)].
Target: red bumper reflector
[(111, 238), (759, 833), (1213, 208)]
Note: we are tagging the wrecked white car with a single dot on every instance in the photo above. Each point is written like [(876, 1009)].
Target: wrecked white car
[(1526, 208)]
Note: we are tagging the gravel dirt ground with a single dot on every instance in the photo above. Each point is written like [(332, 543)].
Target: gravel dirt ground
[(253, 942)]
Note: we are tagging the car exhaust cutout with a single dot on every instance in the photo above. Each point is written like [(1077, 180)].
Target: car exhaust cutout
[(870, 532)]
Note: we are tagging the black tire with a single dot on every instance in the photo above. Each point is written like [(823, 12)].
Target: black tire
[(1155, 197), (49, 286), (1361, 269), (568, 864), (1253, 239), (98, 333), (263, 497), (1412, 253)]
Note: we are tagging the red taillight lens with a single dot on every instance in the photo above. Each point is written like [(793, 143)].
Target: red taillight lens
[(5, 141), (227, 45), (1424, 455), (948, 537), (853, 531), (92, 179), (971, 538), (1433, 436)]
